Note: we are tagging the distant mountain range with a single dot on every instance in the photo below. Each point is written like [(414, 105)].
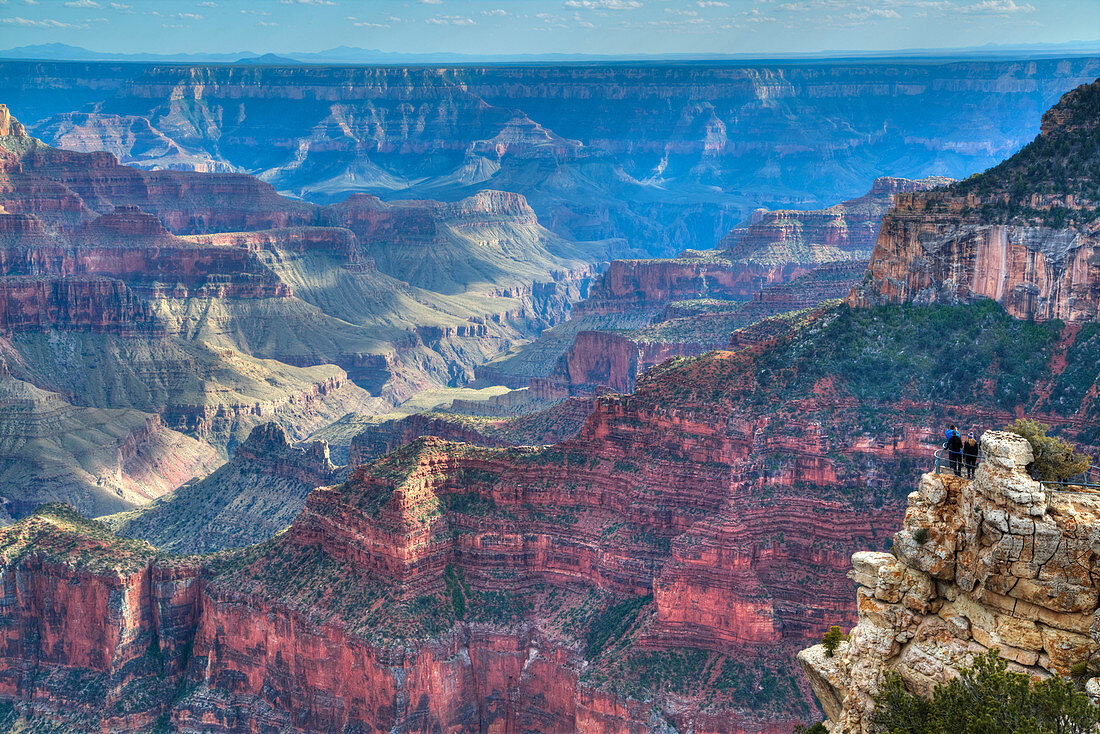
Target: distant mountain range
[(354, 55)]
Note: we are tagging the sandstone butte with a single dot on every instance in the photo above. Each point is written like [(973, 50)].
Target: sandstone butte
[(999, 562)]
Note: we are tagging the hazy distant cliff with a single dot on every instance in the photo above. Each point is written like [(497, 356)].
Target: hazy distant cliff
[(701, 145)]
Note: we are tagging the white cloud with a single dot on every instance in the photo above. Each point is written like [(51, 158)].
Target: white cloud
[(495, 12), (450, 20), (307, 2), (44, 23), (208, 4), (603, 4), (998, 7), (186, 16), (432, 2), (82, 4), (712, 4)]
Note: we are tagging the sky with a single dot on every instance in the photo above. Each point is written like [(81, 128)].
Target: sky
[(543, 26)]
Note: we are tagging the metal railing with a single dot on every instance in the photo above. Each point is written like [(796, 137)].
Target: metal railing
[(1086, 481), (943, 461)]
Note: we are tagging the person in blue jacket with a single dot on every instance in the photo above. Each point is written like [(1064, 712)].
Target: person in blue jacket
[(955, 451)]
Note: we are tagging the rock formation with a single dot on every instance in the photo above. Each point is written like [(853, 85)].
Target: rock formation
[(845, 231), (249, 499), (659, 569), (560, 421), (212, 302), (1001, 562), (1023, 233), (100, 460)]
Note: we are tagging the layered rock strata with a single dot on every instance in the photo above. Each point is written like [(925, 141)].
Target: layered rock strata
[(1000, 562), (571, 138), (213, 302), (641, 312)]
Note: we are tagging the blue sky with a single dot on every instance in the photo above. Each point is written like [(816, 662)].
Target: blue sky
[(543, 26)]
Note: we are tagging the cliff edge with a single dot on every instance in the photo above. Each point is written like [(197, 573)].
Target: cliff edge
[(997, 562)]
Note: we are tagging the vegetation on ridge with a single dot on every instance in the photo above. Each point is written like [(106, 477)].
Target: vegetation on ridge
[(1064, 161), (986, 698), (57, 533), (1055, 459)]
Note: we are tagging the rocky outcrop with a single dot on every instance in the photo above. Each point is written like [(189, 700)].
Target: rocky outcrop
[(845, 231), (1023, 233), (1000, 562), (247, 500)]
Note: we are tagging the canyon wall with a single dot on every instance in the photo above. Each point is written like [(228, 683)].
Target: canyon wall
[(658, 570), (998, 562), (250, 498), (1023, 233), (640, 312)]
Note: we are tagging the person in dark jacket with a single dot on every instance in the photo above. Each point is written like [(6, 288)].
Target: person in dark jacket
[(971, 448), (955, 452)]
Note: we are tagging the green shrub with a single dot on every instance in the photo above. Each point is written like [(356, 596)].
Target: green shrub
[(921, 535), (985, 699), (1055, 459), (832, 639), (817, 728)]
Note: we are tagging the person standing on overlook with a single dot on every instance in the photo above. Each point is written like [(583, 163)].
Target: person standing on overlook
[(970, 451), (955, 450)]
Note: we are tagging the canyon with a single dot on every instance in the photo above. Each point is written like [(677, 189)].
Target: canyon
[(659, 569), (247, 500), (641, 312), (207, 304), (1024, 233), (655, 565)]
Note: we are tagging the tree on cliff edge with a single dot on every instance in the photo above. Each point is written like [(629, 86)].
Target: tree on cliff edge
[(985, 699), (1055, 459)]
